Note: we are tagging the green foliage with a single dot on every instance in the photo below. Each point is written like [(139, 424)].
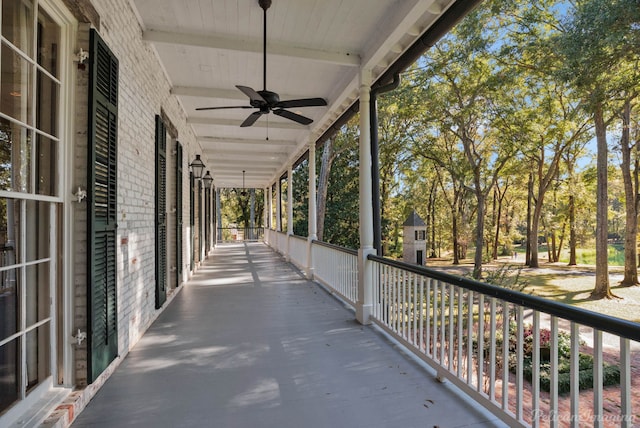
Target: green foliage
[(301, 199), (342, 216), (506, 276), (611, 374)]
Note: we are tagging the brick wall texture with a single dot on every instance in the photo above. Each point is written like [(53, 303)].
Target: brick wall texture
[(144, 92)]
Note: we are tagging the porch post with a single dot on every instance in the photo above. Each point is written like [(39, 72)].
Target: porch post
[(289, 210), (365, 273), (269, 209), (265, 213), (313, 223), (218, 217), (278, 206)]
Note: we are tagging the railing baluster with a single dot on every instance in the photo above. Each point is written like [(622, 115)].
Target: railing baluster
[(535, 371), (505, 355), (451, 342), (598, 404), (443, 341), (574, 373), (520, 362), (480, 373), (470, 337), (392, 310), (387, 301), (421, 312), (492, 349), (398, 302), (415, 309), (460, 323), (427, 327), (404, 304), (625, 383), (434, 340), (553, 378)]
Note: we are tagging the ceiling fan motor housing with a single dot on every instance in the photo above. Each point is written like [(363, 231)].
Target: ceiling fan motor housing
[(270, 97), (264, 4)]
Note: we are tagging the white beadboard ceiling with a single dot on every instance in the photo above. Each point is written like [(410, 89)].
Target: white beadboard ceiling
[(315, 48)]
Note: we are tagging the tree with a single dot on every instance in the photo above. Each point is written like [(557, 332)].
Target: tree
[(598, 43)]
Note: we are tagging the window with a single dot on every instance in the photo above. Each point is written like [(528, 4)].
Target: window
[(29, 195)]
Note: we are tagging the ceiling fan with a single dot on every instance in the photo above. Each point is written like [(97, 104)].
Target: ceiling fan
[(267, 101)]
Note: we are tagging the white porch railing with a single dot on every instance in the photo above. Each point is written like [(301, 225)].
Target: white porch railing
[(492, 343), (298, 251), (337, 269), (530, 361), (276, 240)]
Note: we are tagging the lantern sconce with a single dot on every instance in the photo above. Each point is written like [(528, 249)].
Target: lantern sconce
[(197, 167), (207, 180)]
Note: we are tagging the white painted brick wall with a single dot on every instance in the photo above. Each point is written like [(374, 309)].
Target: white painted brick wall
[(143, 92)]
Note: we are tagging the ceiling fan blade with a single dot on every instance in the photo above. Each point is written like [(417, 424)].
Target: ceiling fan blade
[(251, 93), (293, 116), (251, 119), (303, 102), (220, 108)]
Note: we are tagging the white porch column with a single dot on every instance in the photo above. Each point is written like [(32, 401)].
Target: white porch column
[(365, 271), (278, 206), (290, 200), (313, 222), (289, 210), (218, 216), (267, 214)]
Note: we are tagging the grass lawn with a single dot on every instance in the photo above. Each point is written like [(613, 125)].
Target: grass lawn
[(575, 289), (571, 285)]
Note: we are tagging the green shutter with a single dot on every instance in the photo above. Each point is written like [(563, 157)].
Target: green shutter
[(207, 219), (178, 212), (101, 208), (161, 212)]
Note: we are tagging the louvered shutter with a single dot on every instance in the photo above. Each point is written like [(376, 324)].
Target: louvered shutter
[(161, 212), (178, 212), (101, 207)]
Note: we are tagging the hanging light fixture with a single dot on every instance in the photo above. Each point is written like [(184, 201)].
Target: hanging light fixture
[(197, 167), (243, 193), (207, 180)]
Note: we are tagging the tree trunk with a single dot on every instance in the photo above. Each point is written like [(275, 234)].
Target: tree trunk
[(497, 206), (572, 231), (477, 260), (323, 185), (556, 256), (533, 233), (527, 258), (454, 231), (631, 214), (601, 288)]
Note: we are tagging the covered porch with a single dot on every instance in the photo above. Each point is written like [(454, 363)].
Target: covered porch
[(249, 341)]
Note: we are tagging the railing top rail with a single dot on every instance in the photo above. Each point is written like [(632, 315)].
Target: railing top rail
[(618, 326), (335, 247), (301, 238)]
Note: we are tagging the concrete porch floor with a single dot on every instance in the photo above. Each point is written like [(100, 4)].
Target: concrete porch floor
[(250, 343)]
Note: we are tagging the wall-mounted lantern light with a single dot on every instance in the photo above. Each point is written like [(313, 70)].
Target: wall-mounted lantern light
[(207, 180), (197, 167)]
